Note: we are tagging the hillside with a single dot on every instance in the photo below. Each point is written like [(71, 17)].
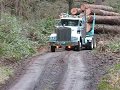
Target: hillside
[(113, 3)]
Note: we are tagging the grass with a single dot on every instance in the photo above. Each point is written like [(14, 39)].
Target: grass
[(111, 81), (110, 44), (14, 45), (20, 39), (114, 45), (5, 72)]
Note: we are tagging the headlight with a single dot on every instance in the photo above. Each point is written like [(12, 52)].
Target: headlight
[(74, 39)]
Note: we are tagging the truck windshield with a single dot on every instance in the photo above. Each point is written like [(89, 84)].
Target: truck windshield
[(67, 22)]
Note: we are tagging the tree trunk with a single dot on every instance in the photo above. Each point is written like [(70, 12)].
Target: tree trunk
[(102, 7), (91, 11), (70, 4), (111, 20)]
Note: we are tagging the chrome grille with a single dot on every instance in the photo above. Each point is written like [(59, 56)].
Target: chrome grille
[(63, 34)]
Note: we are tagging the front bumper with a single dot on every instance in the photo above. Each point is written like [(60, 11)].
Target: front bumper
[(63, 43)]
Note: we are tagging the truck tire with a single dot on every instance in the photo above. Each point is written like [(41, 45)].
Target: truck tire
[(94, 43), (77, 48), (53, 48), (90, 45)]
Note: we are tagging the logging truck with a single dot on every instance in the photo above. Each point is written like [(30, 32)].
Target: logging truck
[(71, 33)]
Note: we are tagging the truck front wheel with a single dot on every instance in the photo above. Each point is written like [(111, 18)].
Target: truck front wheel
[(77, 48), (53, 48)]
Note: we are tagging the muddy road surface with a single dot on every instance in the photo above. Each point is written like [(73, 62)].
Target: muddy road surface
[(66, 70)]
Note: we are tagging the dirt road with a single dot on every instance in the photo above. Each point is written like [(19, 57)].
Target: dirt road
[(66, 70)]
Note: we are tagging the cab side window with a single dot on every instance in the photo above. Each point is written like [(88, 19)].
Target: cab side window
[(80, 23)]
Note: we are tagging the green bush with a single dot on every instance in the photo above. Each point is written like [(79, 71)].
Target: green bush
[(20, 39), (12, 42), (38, 31)]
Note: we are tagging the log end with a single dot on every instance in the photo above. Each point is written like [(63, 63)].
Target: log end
[(88, 11), (74, 11)]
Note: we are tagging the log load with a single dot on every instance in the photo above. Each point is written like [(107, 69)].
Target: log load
[(111, 20), (107, 20), (76, 11), (91, 11), (102, 7)]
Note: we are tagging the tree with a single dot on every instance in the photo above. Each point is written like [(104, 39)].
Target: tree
[(70, 5)]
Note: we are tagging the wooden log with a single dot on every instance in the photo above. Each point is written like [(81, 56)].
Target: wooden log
[(102, 7), (91, 11), (101, 28), (76, 11), (111, 20)]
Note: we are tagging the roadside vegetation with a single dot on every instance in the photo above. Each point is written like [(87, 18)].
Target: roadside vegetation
[(5, 72), (24, 29), (21, 39), (111, 80), (25, 26)]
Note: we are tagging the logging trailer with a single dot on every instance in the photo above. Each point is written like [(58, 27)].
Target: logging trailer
[(71, 33)]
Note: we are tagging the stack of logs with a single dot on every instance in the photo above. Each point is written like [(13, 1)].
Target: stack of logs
[(107, 19)]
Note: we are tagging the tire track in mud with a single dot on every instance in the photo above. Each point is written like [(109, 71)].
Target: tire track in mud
[(34, 71), (77, 76), (66, 72), (53, 72), (57, 71)]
